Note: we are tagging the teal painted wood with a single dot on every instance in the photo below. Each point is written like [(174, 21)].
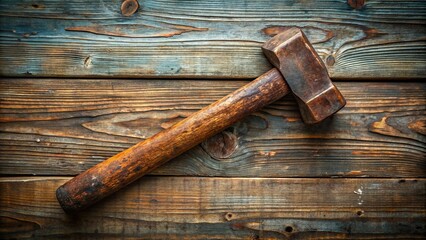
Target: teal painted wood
[(206, 39)]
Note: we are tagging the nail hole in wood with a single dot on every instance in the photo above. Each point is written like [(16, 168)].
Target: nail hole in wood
[(289, 229), (360, 213)]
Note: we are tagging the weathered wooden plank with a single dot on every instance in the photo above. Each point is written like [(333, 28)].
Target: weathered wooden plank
[(62, 127), (207, 38), (211, 208)]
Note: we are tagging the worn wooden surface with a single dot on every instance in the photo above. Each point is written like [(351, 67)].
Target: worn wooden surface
[(211, 38), (129, 165), (359, 175), (62, 127), (225, 208)]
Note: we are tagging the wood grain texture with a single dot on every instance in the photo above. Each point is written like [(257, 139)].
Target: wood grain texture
[(222, 208), (207, 38), (63, 127), (127, 166)]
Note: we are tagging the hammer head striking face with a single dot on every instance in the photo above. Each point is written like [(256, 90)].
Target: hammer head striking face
[(305, 73)]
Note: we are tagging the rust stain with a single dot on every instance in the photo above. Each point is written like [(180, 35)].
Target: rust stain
[(353, 173), (137, 30), (293, 119), (358, 153), (312, 32), (318, 98), (238, 226), (373, 32), (356, 4), (370, 153)]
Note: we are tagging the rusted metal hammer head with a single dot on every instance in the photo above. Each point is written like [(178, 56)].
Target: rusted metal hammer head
[(305, 73)]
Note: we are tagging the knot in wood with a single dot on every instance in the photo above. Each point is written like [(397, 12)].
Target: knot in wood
[(228, 216), (129, 7), (221, 145), (330, 60)]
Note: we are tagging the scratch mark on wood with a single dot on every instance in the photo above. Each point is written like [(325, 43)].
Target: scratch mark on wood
[(137, 30), (88, 62)]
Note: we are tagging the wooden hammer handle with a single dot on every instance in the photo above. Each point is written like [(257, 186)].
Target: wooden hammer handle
[(120, 170)]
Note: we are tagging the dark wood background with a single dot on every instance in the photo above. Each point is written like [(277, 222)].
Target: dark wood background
[(81, 82)]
